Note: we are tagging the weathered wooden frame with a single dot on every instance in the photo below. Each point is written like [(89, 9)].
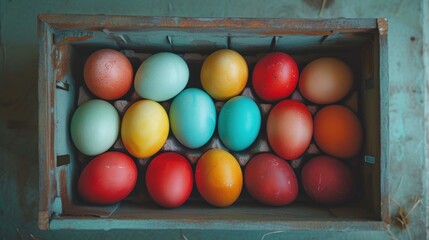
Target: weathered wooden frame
[(57, 32)]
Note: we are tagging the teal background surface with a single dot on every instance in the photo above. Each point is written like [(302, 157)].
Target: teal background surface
[(408, 98)]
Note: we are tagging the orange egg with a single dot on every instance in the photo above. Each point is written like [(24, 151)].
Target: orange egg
[(338, 132), (325, 80), (224, 74), (218, 177)]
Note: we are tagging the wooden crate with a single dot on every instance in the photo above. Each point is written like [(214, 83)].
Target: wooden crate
[(67, 40)]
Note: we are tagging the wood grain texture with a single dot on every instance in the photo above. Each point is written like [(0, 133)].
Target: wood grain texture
[(47, 184)]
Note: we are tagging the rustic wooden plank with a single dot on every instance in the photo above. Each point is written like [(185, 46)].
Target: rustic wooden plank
[(46, 125), (384, 119), (254, 224), (267, 25)]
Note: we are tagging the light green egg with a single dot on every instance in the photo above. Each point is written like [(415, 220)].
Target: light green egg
[(94, 127), (161, 77)]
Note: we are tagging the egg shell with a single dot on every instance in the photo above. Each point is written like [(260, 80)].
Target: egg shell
[(239, 123), (108, 178), (275, 76), (108, 74), (144, 128), (193, 117), (328, 180), (161, 77), (218, 177), (169, 179), (289, 129), (224, 74), (325, 80), (94, 127), (271, 180), (338, 132)]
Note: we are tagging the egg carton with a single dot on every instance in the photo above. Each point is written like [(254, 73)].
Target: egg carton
[(261, 144)]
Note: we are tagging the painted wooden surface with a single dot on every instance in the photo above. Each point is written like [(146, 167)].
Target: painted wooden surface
[(354, 40), (407, 94)]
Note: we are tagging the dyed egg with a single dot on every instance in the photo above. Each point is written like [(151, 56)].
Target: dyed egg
[(193, 117), (218, 177), (108, 178), (169, 179), (271, 180), (325, 80), (144, 128), (108, 74), (239, 123), (94, 127), (275, 76), (289, 129), (337, 131), (224, 74), (327, 180), (161, 77)]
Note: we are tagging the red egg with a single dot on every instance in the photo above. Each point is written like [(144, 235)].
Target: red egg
[(275, 76), (108, 74), (271, 180), (169, 179), (108, 178), (289, 129), (328, 180)]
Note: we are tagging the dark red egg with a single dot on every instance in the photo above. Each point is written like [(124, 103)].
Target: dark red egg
[(328, 180), (271, 180)]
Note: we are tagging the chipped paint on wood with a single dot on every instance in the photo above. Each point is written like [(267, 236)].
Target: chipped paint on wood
[(46, 88), (117, 23)]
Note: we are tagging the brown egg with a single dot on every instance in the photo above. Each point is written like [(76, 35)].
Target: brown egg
[(108, 74), (338, 132), (325, 80)]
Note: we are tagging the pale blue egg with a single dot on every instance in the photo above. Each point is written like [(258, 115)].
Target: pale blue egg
[(94, 127), (239, 123), (161, 77), (193, 117)]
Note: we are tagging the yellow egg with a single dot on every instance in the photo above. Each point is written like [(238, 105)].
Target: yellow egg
[(224, 74), (144, 128)]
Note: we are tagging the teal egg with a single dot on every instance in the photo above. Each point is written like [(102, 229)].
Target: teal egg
[(161, 77), (239, 123), (193, 117), (94, 127)]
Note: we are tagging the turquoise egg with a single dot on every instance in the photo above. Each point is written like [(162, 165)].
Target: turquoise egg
[(94, 127), (161, 77), (193, 117), (239, 123)]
